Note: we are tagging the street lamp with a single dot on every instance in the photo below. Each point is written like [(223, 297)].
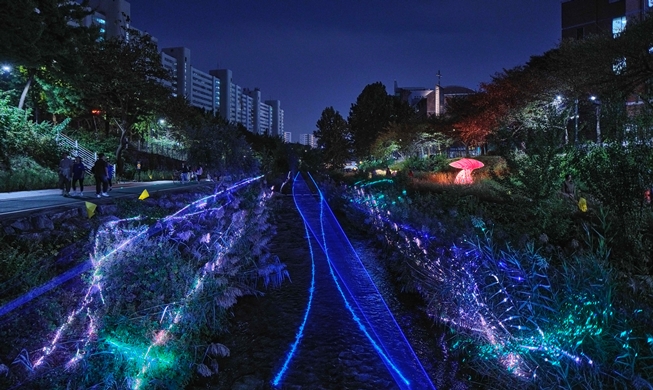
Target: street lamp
[(576, 121), (6, 68), (558, 103), (597, 103)]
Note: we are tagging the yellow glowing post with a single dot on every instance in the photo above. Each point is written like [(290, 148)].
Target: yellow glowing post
[(144, 195), (90, 209), (582, 204)]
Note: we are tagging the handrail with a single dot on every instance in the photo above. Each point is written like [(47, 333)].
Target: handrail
[(88, 157)]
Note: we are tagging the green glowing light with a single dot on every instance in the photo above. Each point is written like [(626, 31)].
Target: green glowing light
[(156, 359)]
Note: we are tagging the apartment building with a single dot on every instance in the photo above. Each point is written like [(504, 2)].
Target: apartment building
[(308, 139), (581, 18), (213, 91), (111, 16)]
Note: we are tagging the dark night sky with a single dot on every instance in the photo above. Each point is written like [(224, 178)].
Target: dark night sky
[(312, 54)]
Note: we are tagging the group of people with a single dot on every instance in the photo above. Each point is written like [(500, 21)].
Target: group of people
[(188, 174), (73, 172)]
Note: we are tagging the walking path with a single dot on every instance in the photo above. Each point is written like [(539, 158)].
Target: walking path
[(12, 203)]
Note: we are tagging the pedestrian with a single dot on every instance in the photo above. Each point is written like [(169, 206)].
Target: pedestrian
[(198, 173), (65, 174), (101, 173), (79, 171), (184, 173), (110, 172), (388, 173), (568, 187)]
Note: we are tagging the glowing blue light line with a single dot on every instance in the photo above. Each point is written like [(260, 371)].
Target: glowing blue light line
[(363, 328), (402, 381), (300, 331), (323, 203)]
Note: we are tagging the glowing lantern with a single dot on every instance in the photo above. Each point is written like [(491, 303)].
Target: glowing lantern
[(467, 165)]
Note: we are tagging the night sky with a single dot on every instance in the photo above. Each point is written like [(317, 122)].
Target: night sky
[(314, 54)]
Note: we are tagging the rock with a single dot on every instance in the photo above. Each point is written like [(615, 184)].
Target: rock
[(65, 215), (9, 231), (41, 222), (107, 209), (22, 224)]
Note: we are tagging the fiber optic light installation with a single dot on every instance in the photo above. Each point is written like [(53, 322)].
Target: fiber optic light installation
[(101, 260), (360, 295)]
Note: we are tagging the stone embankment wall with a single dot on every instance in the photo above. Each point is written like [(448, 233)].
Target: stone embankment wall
[(54, 223)]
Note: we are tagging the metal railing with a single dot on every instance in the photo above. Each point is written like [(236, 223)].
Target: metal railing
[(161, 149), (88, 157)]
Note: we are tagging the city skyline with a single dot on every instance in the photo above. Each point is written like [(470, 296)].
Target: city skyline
[(318, 54)]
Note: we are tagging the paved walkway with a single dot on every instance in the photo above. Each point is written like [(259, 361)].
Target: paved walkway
[(21, 201)]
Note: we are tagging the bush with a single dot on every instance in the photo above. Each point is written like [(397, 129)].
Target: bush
[(20, 136), (428, 164), (26, 174)]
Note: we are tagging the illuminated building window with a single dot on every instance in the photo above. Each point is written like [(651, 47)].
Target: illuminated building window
[(618, 25)]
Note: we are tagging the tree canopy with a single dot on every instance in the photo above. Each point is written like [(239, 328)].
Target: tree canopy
[(373, 111), (42, 36), (333, 137)]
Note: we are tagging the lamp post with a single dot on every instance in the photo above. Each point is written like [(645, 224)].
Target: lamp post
[(576, 121), (597, 102)]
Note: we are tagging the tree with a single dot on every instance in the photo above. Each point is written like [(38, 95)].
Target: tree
[(124, 83), (42, 36), (333, 137), (373, 111), (219, 146)]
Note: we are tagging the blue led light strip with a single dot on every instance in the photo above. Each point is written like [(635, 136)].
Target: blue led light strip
[(300, 332), (346, 270)]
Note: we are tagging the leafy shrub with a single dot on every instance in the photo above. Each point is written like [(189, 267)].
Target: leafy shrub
[(428, 164), (26, 174), (616, 175), (20, 136)]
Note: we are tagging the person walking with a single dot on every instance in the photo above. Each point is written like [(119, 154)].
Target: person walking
[(185, 173), (79, 171), (198, 173), (65, 174), (101, 173)]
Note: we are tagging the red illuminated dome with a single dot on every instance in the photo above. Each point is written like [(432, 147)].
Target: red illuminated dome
[(467, 165)]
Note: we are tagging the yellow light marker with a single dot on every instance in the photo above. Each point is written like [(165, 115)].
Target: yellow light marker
[(144, 195), (90, 209)]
